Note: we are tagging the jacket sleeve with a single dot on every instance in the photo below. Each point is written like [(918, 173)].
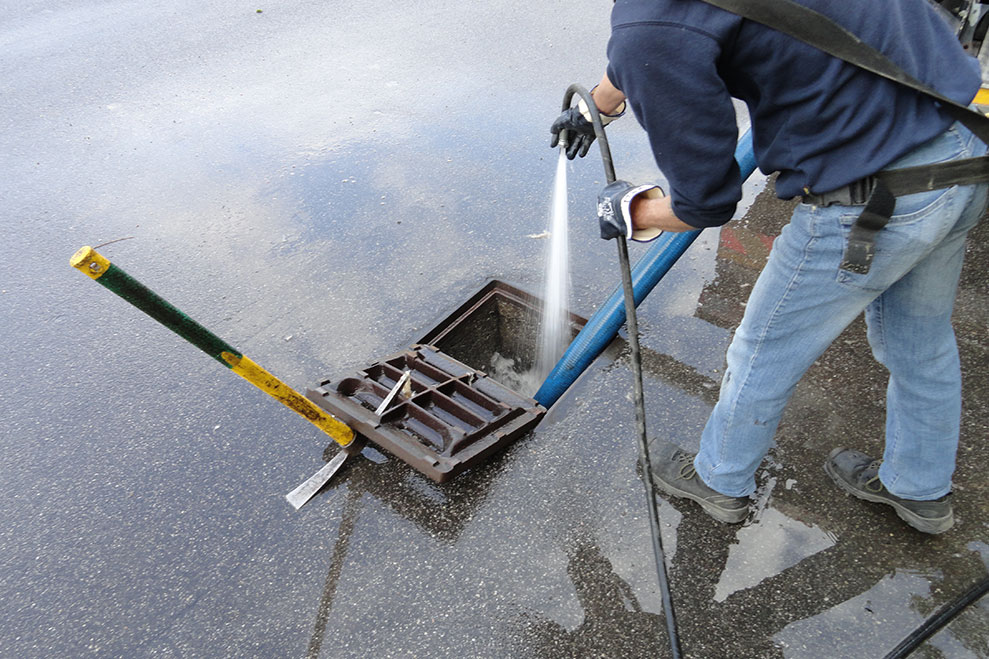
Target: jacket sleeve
[(669, 75)]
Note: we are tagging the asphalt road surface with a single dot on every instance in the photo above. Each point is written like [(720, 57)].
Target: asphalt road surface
[(318, 183)]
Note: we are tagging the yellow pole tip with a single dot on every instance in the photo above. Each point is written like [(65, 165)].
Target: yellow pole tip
[(89, 261), (81, 256)]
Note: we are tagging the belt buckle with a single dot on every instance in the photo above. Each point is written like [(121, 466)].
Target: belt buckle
[(859, 191)]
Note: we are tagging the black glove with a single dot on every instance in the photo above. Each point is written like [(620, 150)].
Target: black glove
[(614, 211), (576, 129)]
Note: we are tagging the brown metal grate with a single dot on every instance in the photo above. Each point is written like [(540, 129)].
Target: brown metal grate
[(455, 417)]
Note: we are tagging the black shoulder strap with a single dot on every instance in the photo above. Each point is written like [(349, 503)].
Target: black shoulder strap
[(819, 31)]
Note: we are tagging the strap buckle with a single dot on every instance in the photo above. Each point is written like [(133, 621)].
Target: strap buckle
[(856, 193), (859, 251), (859, 191), (861, 247)]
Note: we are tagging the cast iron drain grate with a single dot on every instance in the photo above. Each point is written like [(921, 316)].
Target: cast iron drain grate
[(455, 417)]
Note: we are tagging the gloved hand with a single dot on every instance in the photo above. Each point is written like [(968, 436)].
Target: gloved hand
[(615, 214), (576, 128)]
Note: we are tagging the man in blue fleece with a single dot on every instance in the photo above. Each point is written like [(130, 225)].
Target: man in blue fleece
[(825, 126)]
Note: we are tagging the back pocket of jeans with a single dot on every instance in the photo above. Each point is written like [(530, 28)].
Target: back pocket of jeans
[(903, 242)]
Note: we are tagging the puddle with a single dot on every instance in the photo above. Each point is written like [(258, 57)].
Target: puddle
[(871, 624), (768, 547)]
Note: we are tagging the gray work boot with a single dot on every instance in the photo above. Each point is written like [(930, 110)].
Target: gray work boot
[(673, 471), (858, 474)]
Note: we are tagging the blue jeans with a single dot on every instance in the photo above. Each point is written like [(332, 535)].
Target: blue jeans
[(802, 301)]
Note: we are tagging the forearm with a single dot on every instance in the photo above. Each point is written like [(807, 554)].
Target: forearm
[(658, 213), (647, 212), (607, 97)]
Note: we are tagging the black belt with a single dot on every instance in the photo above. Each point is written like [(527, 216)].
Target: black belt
[(878, 194), (908, 180)]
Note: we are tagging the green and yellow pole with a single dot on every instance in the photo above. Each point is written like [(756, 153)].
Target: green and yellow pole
[(98, 268)]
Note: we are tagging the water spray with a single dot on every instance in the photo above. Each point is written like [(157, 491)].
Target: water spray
[(603, 326)]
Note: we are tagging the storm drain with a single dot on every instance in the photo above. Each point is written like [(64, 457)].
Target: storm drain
[(499, 320), (451, 414)]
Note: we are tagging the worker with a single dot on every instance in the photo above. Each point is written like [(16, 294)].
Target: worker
[(825, 126)]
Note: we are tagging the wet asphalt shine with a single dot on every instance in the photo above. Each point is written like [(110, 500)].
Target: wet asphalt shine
[(318, 184)]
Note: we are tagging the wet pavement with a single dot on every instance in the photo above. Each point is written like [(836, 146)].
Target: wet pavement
[(318, 185)]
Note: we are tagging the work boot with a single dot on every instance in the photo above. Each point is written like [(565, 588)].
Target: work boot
[(858, 474), (674, 473)]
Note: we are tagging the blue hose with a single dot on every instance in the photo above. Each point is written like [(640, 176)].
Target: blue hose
[(605, 323)]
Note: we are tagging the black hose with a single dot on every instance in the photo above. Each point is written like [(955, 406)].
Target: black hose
[(941, 617), (640, 405)]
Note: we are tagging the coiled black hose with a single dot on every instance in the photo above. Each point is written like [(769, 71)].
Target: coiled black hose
[(640, 405)]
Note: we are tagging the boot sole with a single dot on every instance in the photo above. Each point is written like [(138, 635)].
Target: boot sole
[(931, 525), (718, 513)]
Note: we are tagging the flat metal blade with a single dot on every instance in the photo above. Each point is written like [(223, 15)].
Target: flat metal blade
[(391, 394), (300, 495)]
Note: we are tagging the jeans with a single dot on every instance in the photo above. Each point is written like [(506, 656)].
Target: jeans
[(802, 301)]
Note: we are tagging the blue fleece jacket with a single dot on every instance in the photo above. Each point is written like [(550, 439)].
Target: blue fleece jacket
[(819, 122)]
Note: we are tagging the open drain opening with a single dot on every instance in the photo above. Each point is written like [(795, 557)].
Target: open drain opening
[(497, 331)]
